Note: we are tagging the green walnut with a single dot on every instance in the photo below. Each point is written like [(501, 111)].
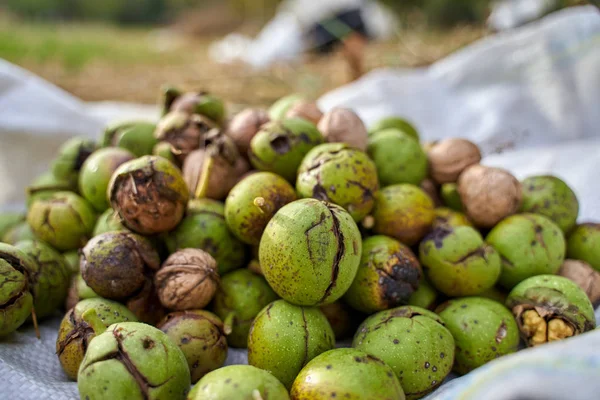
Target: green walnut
[(310, 252), (279, 109), (253, 202), (115, 264), (239, 298), (448, 217), (528, 245), (64, 220), (483, 330), (199, 334), (131, 360), (204, 227), (284, 337), (135, 136), (403, 212), (340, 174), (149, 194), (549, 308), (96, 172), (426, 296), (47, 184), (71, 156), (398, 156), (395, 123), (584, 244), (413, 342), (451, 197), (346, 373), (81, 324), (387, 275), (240, 382), (72, 261), (551, 197), (16, 300), (458, 262), (9, 220), (199, 102), (108, 221), (49, 282), (17, 233), (280, 146)]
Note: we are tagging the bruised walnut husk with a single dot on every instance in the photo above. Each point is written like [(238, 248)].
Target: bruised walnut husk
[(184, 132), (489, 194), (549, 308), (115, 264), (187, 280), (211, 172), (583, 275), (245, 125), (149, 194), (345, 126), (387, 275), (449, 157), (306, 110), (199, 334)]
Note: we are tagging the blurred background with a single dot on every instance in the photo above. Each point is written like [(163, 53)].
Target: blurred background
[(126, 49)]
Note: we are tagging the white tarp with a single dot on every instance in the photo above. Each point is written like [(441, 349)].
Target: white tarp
[(533, 93)]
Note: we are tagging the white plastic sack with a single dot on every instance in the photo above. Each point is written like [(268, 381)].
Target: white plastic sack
[(509, 14), (536, 85)]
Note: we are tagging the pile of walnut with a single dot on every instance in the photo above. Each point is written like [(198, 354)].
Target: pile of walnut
[(282, 231)]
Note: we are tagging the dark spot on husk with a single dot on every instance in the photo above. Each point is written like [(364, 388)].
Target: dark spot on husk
[(281, 144), (437, 236)]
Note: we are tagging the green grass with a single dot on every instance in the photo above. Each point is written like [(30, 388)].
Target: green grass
[(75, 46)]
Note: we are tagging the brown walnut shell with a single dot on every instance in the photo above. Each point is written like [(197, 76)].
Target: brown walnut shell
[(449, 157)]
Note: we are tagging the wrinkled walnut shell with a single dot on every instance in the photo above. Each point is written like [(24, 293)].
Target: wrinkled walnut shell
[(341, 125), (586, 277), (187, 280), (245, 125), (449, 157), (489, 194), (306, 110)]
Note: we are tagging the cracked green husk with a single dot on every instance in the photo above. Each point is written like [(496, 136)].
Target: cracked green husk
[(45, 185), (71, 156), (340, 174), (128, 350), (16, 300), (64, 220), (458, 262), (50, 282), (202, 103), (280, 146), (310, 252), (81, 324), (108, 221)]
